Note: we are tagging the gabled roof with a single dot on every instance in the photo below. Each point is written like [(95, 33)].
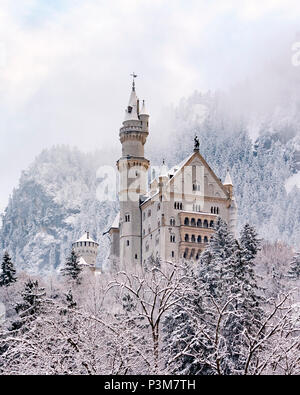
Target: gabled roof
[(188, 160)]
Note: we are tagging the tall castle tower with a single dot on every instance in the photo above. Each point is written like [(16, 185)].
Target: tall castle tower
[(133, 168)]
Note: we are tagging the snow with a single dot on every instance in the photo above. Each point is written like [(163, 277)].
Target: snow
[(293, 181)]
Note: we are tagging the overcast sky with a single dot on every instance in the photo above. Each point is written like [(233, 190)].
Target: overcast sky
[(65, 64)]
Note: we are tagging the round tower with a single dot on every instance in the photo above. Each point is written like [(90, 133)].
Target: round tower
[(133, 169), (86, 249)]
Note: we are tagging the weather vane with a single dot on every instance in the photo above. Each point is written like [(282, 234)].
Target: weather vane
[(133, 75)]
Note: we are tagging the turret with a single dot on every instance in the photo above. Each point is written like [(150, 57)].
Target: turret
[(228, 184), (133, 169), (86, 249)]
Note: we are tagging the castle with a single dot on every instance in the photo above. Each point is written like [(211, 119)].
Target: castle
[(174, 218)]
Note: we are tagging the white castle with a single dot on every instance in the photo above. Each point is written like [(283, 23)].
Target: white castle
[(174, 218)]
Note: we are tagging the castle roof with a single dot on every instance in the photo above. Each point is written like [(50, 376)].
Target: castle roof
[(115, 224), (144, 109), (86, 237), (228, 180), (131, 112)]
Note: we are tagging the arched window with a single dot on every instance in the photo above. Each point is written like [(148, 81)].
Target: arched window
[(185, 254), (193, 239), (205, 223), (199, 239), (211, 224), (172, 221), (180, 206), (127, 243), (186, 221), (212, 210), (217, 210), (199, 223), (172, 238), (193, 222), (205, 239), (186, 237), (127, 217)]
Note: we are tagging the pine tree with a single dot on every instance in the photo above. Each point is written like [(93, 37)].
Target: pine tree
[(8, 274), (250, 242), (294, 271), (72, 268), (32, 304)]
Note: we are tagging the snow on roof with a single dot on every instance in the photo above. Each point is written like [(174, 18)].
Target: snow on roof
[(228, 180), (144, 109), (131, 110), (82, 262), (86, 237), (116, 222)]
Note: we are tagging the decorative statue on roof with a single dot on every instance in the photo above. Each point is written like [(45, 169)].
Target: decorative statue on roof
[(196, 143)]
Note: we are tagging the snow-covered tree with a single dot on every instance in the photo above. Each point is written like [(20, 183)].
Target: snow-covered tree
[(32, 304), (72, 268), (294, 270), (8, 271)]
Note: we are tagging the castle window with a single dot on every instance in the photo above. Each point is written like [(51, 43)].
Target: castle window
[(127, 217), (205, 223), (186, 237), (193, 222), (199, 223), (186, 221), (193, 239), (135, 256), (211, 224), (127, 243), (144, 216), (205, 239), (172, 238), (172, 221), (199, 240), (149, 213), (173, 254), (212, 210), (158, 207)]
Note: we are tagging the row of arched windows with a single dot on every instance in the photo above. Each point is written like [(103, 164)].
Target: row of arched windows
[(191, 254), (199, 223), (193, 239)]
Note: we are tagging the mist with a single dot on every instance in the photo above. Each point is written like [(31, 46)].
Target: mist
[(65, 66)]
